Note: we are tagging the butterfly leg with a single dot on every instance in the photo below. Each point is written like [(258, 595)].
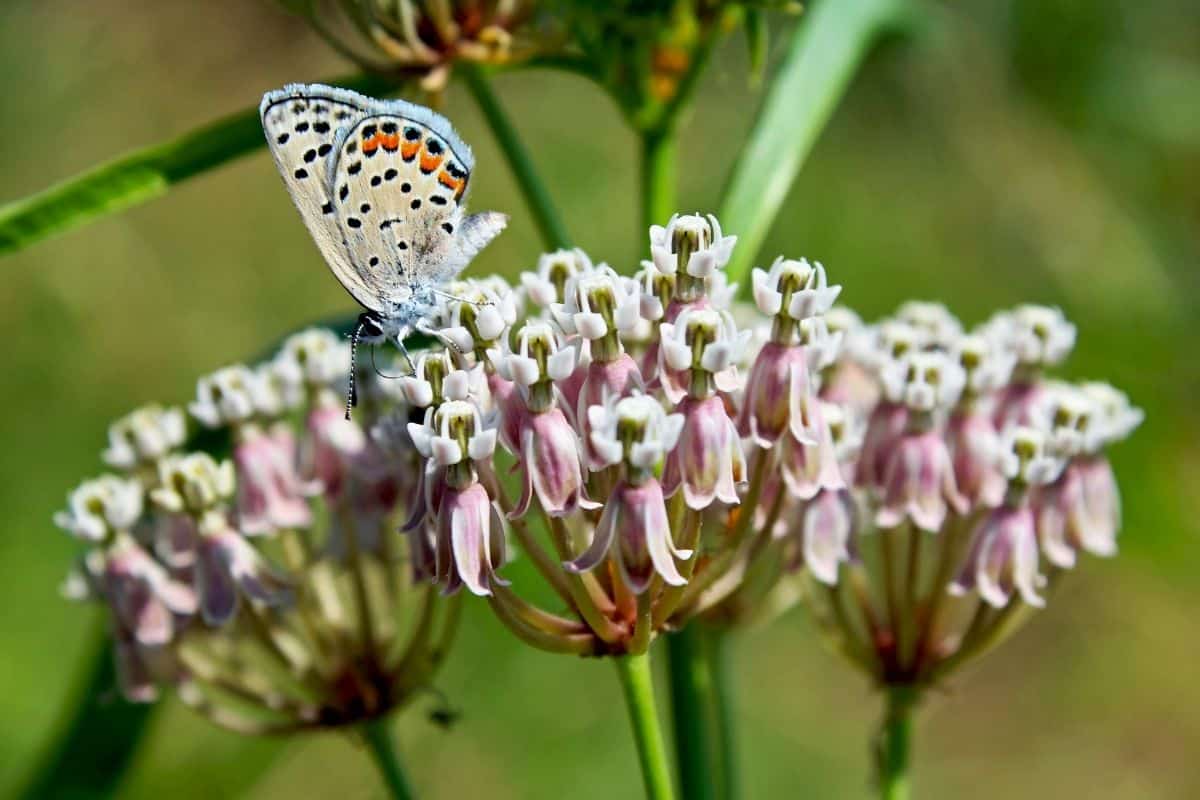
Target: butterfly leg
[(412, 367)]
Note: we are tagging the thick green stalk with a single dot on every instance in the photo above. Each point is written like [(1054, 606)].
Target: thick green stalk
[(659, 150), (895, 744), (719, 656), (537, 197), (691, 684), (637, 685), (379, 741)]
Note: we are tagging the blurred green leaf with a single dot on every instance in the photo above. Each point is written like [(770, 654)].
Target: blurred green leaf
[(98, 741), (143, 174), (823, 56)]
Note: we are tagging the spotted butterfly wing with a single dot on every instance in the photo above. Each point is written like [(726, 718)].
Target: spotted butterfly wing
[(301, 123), (334, 165), (399, 179)]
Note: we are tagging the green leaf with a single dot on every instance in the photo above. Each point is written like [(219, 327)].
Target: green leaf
[(143, 174), (98, 741), (825, 51)]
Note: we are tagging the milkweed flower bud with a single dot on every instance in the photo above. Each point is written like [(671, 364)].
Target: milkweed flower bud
[(693, 248), (547, 284), (144, 436)]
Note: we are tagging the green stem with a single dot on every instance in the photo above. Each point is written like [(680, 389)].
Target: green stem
[(723, 704), (894, 744), (659, 150), (550, 225), (378, 737), (692, 691), (638, 687)]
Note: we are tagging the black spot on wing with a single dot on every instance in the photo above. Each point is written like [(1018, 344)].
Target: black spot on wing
[(301, 174)]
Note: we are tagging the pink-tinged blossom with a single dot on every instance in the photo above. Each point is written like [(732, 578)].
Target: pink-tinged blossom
[(707, 463), (226, 397), (635, 433), (142, 596), (604, 380), (886, 424), (775, 393), (701, 343), (551, 466), (1037, 337), (811, 466), (470, 541), (225, 563), (228, 567), (973, 443), (468, 532), (827, 526), (1003, 558), (918, 483), (270, 494)]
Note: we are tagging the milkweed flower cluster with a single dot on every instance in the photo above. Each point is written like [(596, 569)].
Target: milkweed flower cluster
[(263, 585), (978, 481)]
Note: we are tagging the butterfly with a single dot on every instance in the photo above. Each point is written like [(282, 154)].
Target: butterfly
[(380, 185)]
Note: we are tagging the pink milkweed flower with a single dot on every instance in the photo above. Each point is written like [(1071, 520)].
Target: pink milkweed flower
[(812, 466), (228, 567), (143, 597), (781, 388), (270, 494), (225, 563), (548, 450), (973, 442), (1037, 337), (468, 531), (827, 527), (470, 541), (634, 432), (1004, 545), (699, 352), (144, 436), (918, 481), (1003, 557), (707, 463)]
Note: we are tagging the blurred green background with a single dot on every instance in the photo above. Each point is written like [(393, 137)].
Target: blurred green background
[(1044, 150)]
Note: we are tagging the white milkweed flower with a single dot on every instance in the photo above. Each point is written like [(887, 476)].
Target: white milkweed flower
[(228, 396), (1039, 336), (598, 303), (924, 381), (546, 284), (193, 483), (690, 244), (318, 355), (938, 327), (99, 507), (795, 289), (143, 436)]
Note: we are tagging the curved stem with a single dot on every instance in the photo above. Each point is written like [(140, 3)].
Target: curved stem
[(379, 741), (537, 197), (894, 744), (691, 684), (638, 687)]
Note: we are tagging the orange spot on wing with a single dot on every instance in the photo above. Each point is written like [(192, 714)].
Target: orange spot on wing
[(389, 141), (451, 182), (429, 163), (409, 149)]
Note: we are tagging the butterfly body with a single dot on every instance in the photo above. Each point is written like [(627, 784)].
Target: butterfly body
[(380, 185)]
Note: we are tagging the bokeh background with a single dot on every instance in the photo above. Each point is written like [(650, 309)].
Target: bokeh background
[(1044, 150)]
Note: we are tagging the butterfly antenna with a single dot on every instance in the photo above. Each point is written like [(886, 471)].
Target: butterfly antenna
[(352, 391)]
